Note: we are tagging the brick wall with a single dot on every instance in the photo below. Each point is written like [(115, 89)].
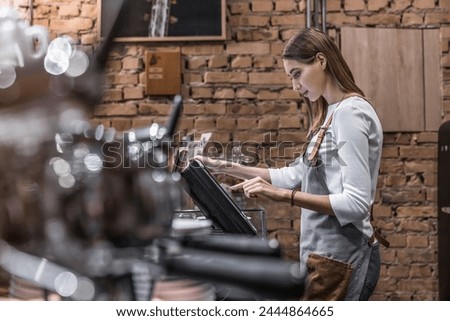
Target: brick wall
[(237, 90)]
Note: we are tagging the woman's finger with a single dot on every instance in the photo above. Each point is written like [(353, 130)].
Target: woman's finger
[(238, 186)]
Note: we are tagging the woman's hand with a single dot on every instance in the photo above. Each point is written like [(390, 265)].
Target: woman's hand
[(259, 187)]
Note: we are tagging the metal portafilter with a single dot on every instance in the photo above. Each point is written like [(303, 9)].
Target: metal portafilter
[(255, 269)]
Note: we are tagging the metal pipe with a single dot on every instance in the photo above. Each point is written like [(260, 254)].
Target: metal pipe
[(324, 16), (308, 14), (30, 5), (316, 13)]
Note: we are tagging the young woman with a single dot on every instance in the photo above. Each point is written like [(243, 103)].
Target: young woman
[(334, 181)]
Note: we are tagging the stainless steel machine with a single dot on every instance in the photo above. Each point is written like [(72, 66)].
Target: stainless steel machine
[(86, 212)]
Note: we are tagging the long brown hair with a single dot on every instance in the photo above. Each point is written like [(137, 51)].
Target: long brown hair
[(303, 47)]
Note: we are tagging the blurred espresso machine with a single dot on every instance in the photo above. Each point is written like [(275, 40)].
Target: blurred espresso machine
[(87, 212)]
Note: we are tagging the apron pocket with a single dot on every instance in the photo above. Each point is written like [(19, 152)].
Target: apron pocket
[(328, 279)]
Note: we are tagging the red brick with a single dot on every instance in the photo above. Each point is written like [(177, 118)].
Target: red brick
[(339, 19), (424, 4), (263, 62), (334, 5), (267, 95), (123, 79), (196, 62), (246, 48), (401, 5), (257, 35), (376, 5), (110, 95), (132, 63), (262, 5), (265, 78), (418, 285), (249, 21), (154, 108), (138, 122), (289, 20), (224, 93), (390, 166), (401, 271), (381, 19), (88, 11), (133, 93), (417, 241), (226, 77), (115, 110), (226, 123), (268, 123), (395, 180), (246, 123), (290, 122), (201, 92), (415, 226), (403, 196), (410, 19), (69, 25), (381, 211), (418, 152), (190, 78), (397, 240), (420, 167), (193, 109), (214, 109), (68, 10), (285, 5), (245, 93), (241, 62), (436, 18), (218, 61), (354, 5), (121, 124), (390, 152), (240, 7), (417, 211), (202, 124)]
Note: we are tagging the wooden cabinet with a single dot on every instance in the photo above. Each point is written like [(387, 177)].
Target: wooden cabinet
[(399, 71)]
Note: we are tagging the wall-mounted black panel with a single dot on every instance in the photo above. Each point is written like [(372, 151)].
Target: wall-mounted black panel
[(165, 20), (444, 211)]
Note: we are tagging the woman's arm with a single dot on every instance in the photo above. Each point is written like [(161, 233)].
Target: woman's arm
[(234, 169), (257, 186), (317, 203)]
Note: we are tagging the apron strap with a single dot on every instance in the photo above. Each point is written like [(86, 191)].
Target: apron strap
[(379, 237), (312, 157), (377, 233)]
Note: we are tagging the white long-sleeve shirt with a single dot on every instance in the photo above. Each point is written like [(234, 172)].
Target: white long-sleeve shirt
[(351, 152)]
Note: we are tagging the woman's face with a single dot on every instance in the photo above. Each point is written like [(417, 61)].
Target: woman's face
[(308, 80)]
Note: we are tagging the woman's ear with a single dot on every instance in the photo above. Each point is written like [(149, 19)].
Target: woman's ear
[(322, 60)]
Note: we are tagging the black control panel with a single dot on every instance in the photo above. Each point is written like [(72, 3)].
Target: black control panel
[(444, 211)]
